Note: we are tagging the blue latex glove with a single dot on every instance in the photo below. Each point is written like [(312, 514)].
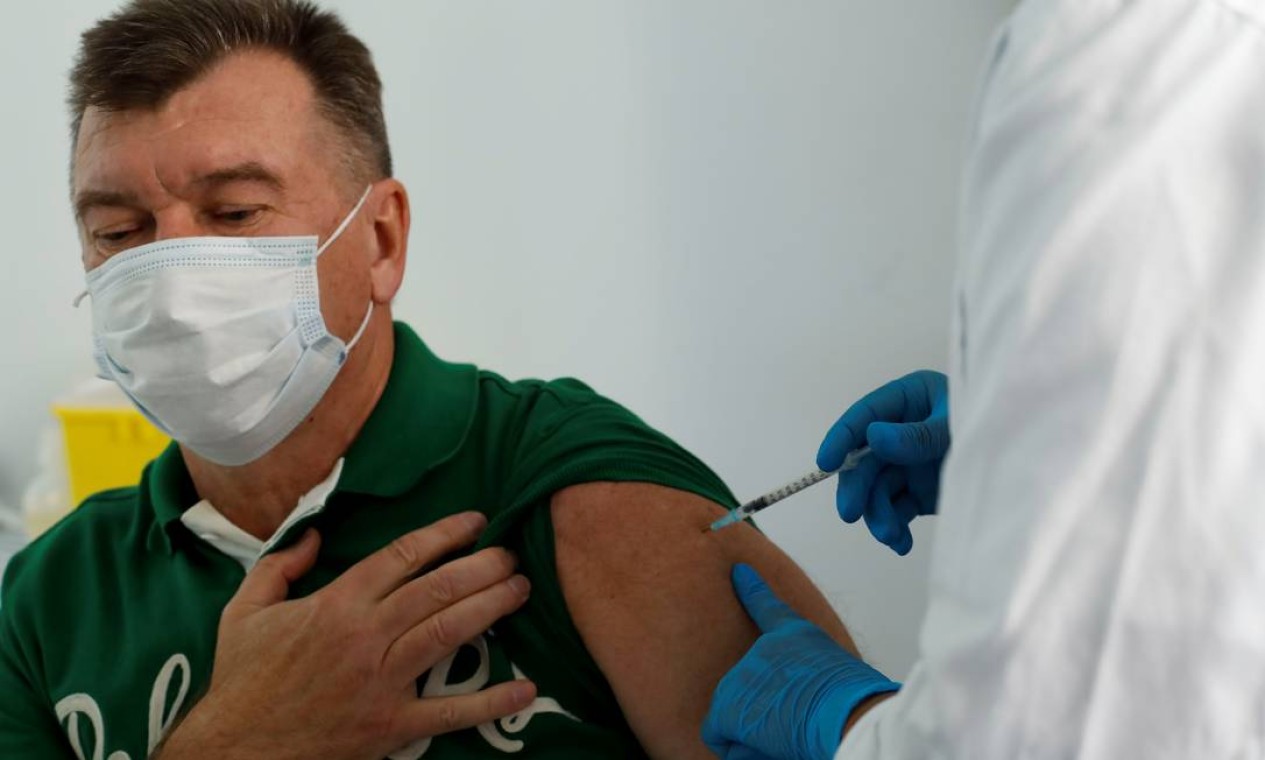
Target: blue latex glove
[(746, 753), (906, 424), (791, 694)]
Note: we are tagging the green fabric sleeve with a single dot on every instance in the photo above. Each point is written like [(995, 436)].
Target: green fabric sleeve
[(28, 726), (575, 436)]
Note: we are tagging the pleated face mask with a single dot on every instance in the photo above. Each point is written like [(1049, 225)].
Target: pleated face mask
[(219, 341)]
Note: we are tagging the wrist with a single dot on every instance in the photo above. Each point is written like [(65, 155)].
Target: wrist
[(835, 715), (182, 739), (863, 707), (197, 735)]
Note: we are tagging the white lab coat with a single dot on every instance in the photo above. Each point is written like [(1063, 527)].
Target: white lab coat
[(1098, 579)]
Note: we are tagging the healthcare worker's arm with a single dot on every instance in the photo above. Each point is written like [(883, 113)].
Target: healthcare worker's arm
[(650, 593), (1097, 577)]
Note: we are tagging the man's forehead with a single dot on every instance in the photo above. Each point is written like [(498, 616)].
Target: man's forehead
[(252, 107), (121, 152)]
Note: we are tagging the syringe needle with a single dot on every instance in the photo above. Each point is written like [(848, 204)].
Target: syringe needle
[(738, 514)]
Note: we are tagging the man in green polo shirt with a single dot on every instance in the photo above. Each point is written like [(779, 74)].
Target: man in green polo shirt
[(355, 549)]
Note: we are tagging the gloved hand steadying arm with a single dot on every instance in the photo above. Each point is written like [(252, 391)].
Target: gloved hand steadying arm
[(906, 425), (791, 694)]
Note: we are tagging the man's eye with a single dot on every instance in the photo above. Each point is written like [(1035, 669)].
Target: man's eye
[(115, 236), (238, 215)]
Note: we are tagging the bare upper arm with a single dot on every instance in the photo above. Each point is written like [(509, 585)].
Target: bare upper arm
[(651, 596)]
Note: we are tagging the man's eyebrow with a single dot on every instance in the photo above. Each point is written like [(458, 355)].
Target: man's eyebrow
[(250, 171), (88, 199)]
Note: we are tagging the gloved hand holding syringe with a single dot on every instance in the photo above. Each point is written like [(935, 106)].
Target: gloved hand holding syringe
[(738, 514)]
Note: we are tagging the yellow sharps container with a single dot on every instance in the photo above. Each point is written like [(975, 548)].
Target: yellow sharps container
[(107, 441)]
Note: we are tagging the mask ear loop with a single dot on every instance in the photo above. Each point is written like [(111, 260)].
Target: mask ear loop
[(364, 323), (361, 331), (346, 221)]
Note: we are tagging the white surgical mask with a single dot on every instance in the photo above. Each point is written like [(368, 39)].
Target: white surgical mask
[(219, 341)]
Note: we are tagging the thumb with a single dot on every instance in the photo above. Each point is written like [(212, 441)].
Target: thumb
[(761, 603), (907, 443), (269, 581)]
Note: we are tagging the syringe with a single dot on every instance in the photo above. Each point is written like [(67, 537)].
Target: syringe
[(738, 514)]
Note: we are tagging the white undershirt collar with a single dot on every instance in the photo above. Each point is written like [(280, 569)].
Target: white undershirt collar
[(206, 522)]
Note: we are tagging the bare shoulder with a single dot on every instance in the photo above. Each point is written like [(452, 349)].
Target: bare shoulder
[(649, 590)]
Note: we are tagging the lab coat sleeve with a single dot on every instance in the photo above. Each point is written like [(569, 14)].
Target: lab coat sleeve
[(1098, 572)]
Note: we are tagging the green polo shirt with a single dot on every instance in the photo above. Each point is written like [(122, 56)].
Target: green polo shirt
[(108, 621)]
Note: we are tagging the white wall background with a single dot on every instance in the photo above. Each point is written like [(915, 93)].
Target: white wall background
[(735, 216)]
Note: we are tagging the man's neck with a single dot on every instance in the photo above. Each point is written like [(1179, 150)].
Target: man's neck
[(258, 496)]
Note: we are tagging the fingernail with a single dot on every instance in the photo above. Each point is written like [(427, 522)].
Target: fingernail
[(521, 585), (475, 520), (523, 692)]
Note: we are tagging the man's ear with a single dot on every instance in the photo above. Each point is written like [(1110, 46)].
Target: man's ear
[(388, 210)]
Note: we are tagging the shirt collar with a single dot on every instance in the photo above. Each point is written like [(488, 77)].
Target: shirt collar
[(206, 522), (419, 423)]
